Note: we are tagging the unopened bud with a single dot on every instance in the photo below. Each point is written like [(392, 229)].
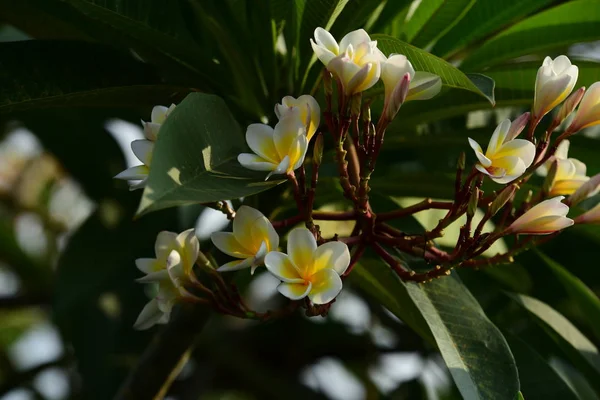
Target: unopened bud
[(397, 97), (568, 106), (517, 126), (473, 201), (355, 105), (550, 177), (365, 114), (461, 161), (504, 197), (327, 84), (318, 150), (586, 190)]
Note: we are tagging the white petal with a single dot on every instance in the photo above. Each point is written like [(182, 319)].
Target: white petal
[(143, 150), (424, 86), (282, 168), (151, 130), (327, 284), (286, 131), (394, 69), (550, 207), (149, 316), (521, 148), (280, 265), (294, 291), (189, 247), (498, 137), (485, 162), (165, 242), (512, 166), (236, 265), (244, 228), (301, 248), (353, 85), (326, 40), (255, 163), (299, 148), (260, 140), (146, 265), (156, 276), (562, 151), (354, 38), (159, 114), (332, 255), (134, 173)]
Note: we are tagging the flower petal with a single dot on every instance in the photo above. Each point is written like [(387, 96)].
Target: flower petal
[(255, 163), (143, 150), (354, 38), (149, 316), (497, 138), (327, 284), (280, 265), (156, 276), (165, 242), (263, 230), (228, 244), (243, 228), (159, 114), (282, 168), (301, 248), (485, 162), (236, 265), (332, 255), (260, 139), (146, 265), (134, 173), (189, 248), (294, 291), (546, 225), (286, 131), (513, 168), (326, 40), (521, 148), (424, 86)]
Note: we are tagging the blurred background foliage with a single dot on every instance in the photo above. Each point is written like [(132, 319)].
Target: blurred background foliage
[(76, 77)]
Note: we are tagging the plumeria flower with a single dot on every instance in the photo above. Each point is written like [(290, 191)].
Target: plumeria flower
[(561, 153), (570, 175), (555, 81), (308, 270), (506, 158), (588, 113), (546, 217), (176, 255), (157, 118), (355, 61), (280, 150), (143, 151), (590, 217), (252, 238), (423, 85), (310, 112)]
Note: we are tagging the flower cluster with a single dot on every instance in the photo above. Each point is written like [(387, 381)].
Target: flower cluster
[(143, 148)]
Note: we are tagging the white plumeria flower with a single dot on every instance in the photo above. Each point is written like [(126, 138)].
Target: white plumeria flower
[(590, 217), (176, 255), (310, 112), (252, 238), (505, 159), (157, 118), (308, 270), (555, 81), (355, 61), (143, 151), (546, 217), (570, 175), (561, 153), (588, 113), (280, 150)]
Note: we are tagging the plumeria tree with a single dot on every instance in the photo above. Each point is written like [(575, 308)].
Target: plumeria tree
[(337, 146)]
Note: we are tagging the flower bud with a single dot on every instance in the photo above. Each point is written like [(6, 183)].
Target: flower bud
[(588, 113), (590, 217), (461, 161), (544, 218), (586, 190), (327, 84), (397, 97), (555, 81), (517, 126), (568, 106), (318, 150), (473, 201), (423, 86), (502, 199)]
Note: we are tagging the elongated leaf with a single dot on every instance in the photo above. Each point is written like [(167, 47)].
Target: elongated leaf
[(575, 345), (432, 19), (354, 16), (473, 348), (573, 22), (582, 296), (56, 73), (538, 379), (484, 18), (195, 158), (514, 86), (392, 9), (423, 61)]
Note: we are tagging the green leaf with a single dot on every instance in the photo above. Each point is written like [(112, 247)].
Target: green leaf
[(582, 296), (473, 348), (354, 16), (392, 9), (56, 73), (432, 19), (421, 184), (484, 18), (423, 61), (538, 379), (519, 396), (195, 158), (559, 26), (580, 349), (514, 86)]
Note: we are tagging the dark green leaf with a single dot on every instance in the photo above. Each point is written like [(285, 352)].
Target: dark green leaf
[(563, 25), (423, 61), (415, 185), (582, 296), (485, 17), (539, 381), (195, 158), (432, 19), (54, 73), (391, 10), (473, 348)]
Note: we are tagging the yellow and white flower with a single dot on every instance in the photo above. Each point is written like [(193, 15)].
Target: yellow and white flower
[(546, 217), (280, 150), (355, 61), (308, 270), (143, 151), (176, 255), (310, 112), (570, 175), (588, 113), (555, 81), (506, 158), (252, 238), (157, 118)]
